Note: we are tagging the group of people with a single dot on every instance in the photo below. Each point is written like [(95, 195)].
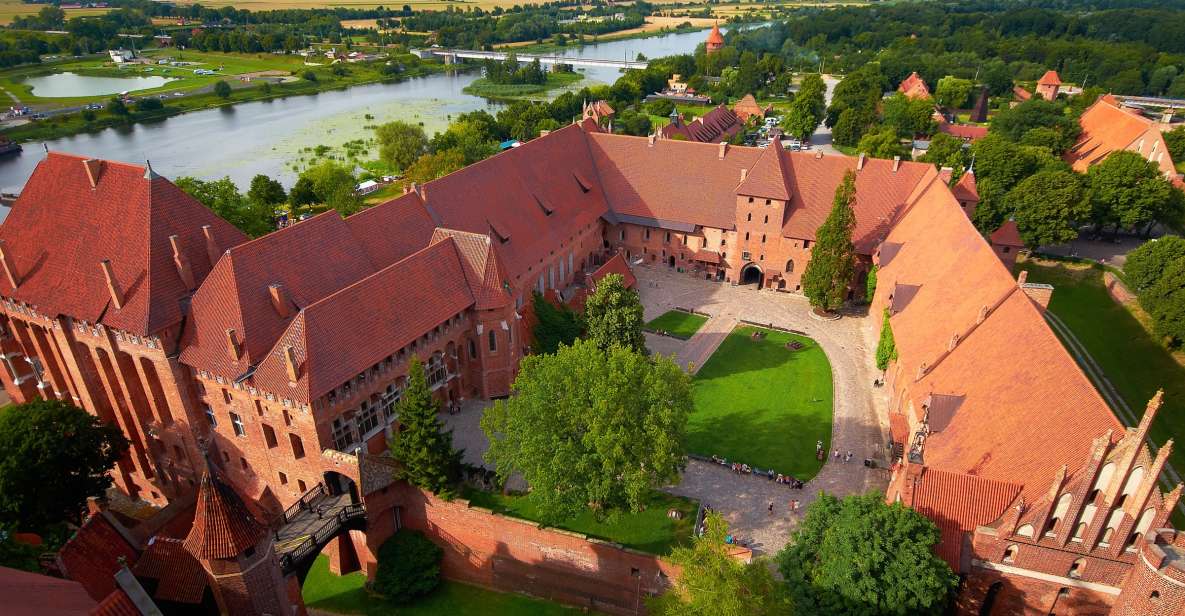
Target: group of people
[(744, 469)]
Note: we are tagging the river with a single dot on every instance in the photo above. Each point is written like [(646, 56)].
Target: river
[(271, 136)]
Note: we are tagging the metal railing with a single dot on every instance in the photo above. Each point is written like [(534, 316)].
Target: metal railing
[(313, 543), (303, 503)]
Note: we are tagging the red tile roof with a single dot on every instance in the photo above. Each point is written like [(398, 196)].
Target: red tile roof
[(714, 36), (118, 603), (1107, 127), (393, 230), (1050, 78), (747, 107), (1021, 93), (914, 86), (966, 189), (344, 334), (92, 556), (964, 131), (33, 594), (1027, 408), (180, 577), (483, 271), (769, 176), (615, 265), (1007, 235), (310, 259), (707, 256), (958, 503), (717, 125), (222, 526), (61, 227)]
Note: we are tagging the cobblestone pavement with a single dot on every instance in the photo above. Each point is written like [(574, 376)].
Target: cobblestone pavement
[(860, 411), (858, 417)]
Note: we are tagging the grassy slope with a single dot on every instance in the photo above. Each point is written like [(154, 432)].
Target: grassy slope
[(678, 323), (345, 594), (760, 403), (649, 531), (1131, 358)]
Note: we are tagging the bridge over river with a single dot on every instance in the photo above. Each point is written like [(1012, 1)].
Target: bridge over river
[(452, 55)]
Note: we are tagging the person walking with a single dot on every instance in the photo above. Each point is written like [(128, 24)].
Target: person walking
[(837, 454), (771, 508)]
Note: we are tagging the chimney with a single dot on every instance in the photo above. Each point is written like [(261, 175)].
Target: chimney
[(954, 342), (896, 163), (9, 266), (112, 284), (1039, 293), (983, 314), (1022, 278), (744, 174), (211, 246), (182, 262), (280, 300), (290, 363), (93, 166), (232, 343), (860, 162), (723, 150), (650, 141)]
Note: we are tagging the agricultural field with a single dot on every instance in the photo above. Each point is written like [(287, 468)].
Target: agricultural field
[(11, 9)]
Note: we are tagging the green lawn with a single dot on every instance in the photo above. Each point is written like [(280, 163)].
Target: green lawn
[(761, 403), (678, 323), (1131, 358), (345, 594), (649, 531)]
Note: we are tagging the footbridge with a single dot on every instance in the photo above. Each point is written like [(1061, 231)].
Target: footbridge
[(452, 55), (311, 523)]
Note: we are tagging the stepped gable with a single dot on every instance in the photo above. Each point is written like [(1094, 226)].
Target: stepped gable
[(959, 503), (342, 335), (483, 270), (528, 199), (881, 194), (74, 212), (769, 176), (669, 180), (394, 229), (309, 260), (1027, 408), (223, 527)]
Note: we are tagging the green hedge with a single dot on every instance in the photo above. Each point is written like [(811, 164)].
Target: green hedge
[(409, 567)]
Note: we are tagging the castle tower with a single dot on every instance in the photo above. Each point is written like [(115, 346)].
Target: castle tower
[(715, 40), (1156, 584), (1049, 85), (237, 552)]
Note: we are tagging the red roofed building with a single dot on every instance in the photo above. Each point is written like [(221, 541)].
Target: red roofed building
[(747, 108), (966, 132), (914, 86), (719, 124), (1048, 85), (715, 40), (1007, 243), (1107, 127)]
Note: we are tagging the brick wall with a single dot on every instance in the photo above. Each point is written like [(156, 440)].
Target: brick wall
[(1157, 583), (509, 554), (1119, 291), (1015, 594)]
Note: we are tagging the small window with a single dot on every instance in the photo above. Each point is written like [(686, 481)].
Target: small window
[(767, 219), (283, 479), (746, 236), (269, 435), (210, 415), (300, 484), (1010, 554), (237, 422), (493, 342), (621, 235), (750, 199), (646, 234), (806, 243), (1155, 595), (668, 237), (243, 462), (226, 396), (287, 418), (1005, 249), (297, 447), (762, 238), (749, 216), (1077, 567), (472, 349), (225, 457), (767, 202)]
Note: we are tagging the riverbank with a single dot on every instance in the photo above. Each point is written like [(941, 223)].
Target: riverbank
[(324, 79), (509, 91)]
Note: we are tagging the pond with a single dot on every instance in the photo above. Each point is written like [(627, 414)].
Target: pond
[(70, 85)]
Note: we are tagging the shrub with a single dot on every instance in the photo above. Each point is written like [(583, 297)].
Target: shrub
[(149, 104), (409, 567), (886, 347), (309, 76), (222, 89)]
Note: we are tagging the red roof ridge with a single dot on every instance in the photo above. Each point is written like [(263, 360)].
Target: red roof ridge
[(768, 179)]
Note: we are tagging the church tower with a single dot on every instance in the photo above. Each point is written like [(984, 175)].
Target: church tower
[(715, 40), (237, 552)]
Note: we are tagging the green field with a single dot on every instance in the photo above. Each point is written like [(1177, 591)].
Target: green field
[(648, 531), (324, 591), (678, 323), (1135, 363), (763, 404), (482, 87)]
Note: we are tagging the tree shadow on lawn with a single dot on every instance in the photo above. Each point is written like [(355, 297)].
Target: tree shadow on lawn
[(763, 439)]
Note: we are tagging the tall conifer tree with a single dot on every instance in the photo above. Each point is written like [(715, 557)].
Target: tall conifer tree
[(422, 446), (829, 272)]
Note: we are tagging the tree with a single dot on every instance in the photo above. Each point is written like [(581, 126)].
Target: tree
[(1127, 191), (886, 345), (224, 198), (588, 427), (1048, 207), (883, 144), (952, 92), (713, 583), (829, 271), (422, 447), (118, 108), (302, 194), (52, 457), (909, 116), (860, 555), (851, 126), (1014, 122), (266, 191), (431, 166), (222, 89), (557, 324), (400, 143), (946, 151), (1175, 141), (807, 109), (1146, 264), (613, 315), (409, 566), (1165, 303), (334, 185), (149, 104), (870, 284)]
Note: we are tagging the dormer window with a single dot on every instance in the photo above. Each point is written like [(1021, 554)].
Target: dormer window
[(585, 186)]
